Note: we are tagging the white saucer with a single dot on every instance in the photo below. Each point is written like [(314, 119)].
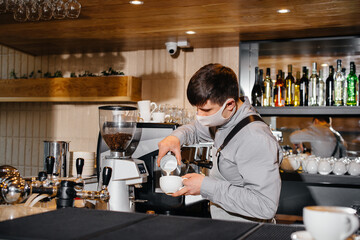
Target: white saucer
[(301, 235)]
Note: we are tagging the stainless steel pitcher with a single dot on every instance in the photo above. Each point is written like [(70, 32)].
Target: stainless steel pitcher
[(60, 151)]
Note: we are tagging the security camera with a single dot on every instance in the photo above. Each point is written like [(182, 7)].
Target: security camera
[(171, 47)]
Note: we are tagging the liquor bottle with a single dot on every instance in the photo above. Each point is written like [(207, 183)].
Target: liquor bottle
[(279, 90), (267, 92), (273, 83), (304, 88), (358, 91), (289, 82), (313, 84), (343, 70), (330, 87), (297, 90), (321, 89), (339, 80), (351, 86), (261, 79), (256, 93)]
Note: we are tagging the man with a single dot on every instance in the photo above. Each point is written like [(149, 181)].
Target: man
[(324, 140), (244, 183)]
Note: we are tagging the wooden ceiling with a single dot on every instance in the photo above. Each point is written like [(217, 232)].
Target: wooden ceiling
[(116, 25)]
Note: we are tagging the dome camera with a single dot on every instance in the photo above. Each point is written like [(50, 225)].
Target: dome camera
[(171, 47)]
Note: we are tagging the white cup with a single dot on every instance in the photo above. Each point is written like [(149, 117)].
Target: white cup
[(324, 167), (170, 184), (158, 117), (145, 116), (312, 165), (329, 222), (354, 168), (145, 106), (339, 168), (290, 163)]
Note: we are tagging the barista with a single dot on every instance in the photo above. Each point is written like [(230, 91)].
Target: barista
[(324, 140), (244, 183)]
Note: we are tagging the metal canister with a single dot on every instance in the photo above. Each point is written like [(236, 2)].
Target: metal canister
[(60, 151)]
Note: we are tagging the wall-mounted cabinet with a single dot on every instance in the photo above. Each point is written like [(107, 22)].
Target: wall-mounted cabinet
[(82, 89)]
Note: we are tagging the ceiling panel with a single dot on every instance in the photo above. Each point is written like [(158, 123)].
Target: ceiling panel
[(113, 25)]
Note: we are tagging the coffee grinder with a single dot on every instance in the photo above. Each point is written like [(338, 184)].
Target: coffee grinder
[(117, 128)]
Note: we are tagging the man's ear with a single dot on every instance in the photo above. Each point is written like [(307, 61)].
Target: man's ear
[(231, 103)]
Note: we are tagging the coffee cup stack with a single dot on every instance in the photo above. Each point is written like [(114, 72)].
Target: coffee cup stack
[(146, 108), (89, 163)]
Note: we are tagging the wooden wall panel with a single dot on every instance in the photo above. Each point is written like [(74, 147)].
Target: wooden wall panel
[(24, 126)]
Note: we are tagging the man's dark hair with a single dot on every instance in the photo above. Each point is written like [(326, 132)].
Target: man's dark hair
[(323, 119), (213, 82)]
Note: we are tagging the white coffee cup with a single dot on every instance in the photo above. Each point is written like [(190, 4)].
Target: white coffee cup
[(311, 165), (324, 167), (145, 116), (339, 168), (330, 222), (290, 163), (145, 106), (170, 184), (158, 117), (354, 168)]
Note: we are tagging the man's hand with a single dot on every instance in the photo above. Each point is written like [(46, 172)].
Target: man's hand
[(192, 184), (170, 143)]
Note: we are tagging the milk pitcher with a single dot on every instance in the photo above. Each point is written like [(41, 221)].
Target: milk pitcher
[(60, 151)]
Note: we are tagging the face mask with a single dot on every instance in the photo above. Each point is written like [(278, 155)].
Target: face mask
[(216, 119)]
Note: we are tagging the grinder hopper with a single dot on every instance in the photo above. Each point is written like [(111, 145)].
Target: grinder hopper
[(117, 127)]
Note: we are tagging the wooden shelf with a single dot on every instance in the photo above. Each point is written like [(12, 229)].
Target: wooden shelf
[(82, 89), (309, 111)]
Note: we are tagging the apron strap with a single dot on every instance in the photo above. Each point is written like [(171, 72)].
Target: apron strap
[(238, 127)]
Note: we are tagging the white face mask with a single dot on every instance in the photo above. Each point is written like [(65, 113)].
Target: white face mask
[(215, 119)]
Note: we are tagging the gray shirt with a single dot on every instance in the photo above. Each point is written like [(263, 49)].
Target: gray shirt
[(321, 138), (249, 181)]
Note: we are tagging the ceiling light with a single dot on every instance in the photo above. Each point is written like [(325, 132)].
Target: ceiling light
[(136, 2), (283, 10), (190, 32)]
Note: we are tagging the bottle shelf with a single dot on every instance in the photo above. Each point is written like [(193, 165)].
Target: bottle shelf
[(309, 111)]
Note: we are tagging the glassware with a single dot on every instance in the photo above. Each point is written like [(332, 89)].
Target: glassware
[(59, 9), (313, 86), (289, 82), (20, 12), (3, 6), (73, 8), (267, 100), (256, 92), (47, 10), (33, 12), (339, 80)]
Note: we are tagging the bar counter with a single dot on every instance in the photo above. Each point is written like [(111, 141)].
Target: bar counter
[(78, 223)]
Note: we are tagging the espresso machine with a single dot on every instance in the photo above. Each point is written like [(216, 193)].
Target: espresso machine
[(148, 196), (118, 129)]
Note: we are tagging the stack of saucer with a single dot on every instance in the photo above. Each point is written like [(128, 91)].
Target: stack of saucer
[(89, 163)]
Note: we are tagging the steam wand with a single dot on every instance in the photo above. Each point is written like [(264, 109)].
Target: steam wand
[(79, 169), (67, 192)]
